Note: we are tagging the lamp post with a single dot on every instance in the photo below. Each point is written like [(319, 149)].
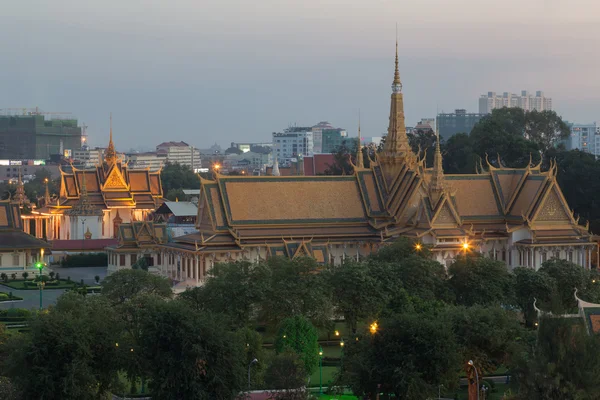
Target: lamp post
[(40, 266), (320, 370), (250, 365), (476, 376)]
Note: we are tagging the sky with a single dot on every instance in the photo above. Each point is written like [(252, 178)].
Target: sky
[(217, 71)]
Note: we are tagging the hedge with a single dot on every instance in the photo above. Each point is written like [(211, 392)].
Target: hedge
[(85, 260)]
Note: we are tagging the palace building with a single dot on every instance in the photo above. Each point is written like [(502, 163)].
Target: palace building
[(92, 203), (517, 216)]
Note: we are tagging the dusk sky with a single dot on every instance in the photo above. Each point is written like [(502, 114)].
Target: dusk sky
[(208, 71)]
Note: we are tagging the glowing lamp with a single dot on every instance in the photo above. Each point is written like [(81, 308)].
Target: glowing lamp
[(373, 327), (418, 247)]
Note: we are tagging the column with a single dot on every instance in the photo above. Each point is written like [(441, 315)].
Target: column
[(197, 270)]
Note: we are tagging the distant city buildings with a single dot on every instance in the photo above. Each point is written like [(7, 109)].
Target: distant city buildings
[(584, 137), (88, 157), (11, 169), (460, 121), (246, 147), (292, 143), (525, 100), (152, 160), (180, 153), (34, 137), (326, 137)]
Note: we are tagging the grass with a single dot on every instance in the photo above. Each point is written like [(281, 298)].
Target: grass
[(328, 376), (6, 297), (20, 285), (337, 397)]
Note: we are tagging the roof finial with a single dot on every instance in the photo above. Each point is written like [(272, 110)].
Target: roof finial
[(359, 154), (110, 156), (396, 71), (436, 185), (46, 193)]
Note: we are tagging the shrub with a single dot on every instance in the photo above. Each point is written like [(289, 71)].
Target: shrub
[(13, 276), (25, 275), (52, 273), (85, 260), (68, 279), (97, 278), (57, 277), (4, 277)]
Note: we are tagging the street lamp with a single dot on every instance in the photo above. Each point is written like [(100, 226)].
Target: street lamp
[(40, 266), (320, 370), (418, 247), (373, 327), (476, 376), (250, 365)]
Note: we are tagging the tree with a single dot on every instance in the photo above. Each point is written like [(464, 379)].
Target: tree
[(175, 176), (567, 277), (490, 336), (191, 354), (529, 286), (298, 335), (545, 128), (480, 280), (25, 275), (423, 141), (295, 288), (564, 363), (458, 155), (234, 289), (409, 356), (69, 353), (4, 277), (578, 174), (128, 283), (342, 155), (254, 350), (286, 372), (357, 295)]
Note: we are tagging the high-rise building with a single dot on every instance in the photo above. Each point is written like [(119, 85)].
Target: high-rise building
[(460, 121), (525, 100), (180, 153), (36, 138), (88, 157), (326, 137), (584, 137), (292, 143), (153, 160)]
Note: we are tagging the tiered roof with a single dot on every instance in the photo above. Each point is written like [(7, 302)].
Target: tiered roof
[(395, 196), (109, 185), (12, 236)]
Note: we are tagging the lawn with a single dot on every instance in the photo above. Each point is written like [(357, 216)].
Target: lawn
[(328, 376), (497, 394), (20, 285), (7, 297)]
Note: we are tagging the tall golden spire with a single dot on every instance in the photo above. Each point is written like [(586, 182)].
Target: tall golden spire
[(46, 193), (436, 185), (397, 148), (359, 154), (110, 155)]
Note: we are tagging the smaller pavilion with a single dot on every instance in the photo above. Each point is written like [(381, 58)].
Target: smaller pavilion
[(18, 250)]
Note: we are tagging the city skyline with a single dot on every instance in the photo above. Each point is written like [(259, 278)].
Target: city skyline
[(206, 74)]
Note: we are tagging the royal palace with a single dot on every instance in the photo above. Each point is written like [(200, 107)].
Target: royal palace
[(517, 216)]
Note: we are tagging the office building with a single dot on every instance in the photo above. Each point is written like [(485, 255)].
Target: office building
[(584, 137), (326, 137), (180, 153), (153, 160), (88, 157), (292, 143), (527, 101), (246, 147), (460, 121), (34, 137)]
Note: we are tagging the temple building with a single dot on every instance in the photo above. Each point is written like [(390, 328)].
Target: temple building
[(92, 203), (517, 216), (18, 250)]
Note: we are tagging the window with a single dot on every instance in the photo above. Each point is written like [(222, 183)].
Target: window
[(544, 257), (133, 259), (159, 259), (16, 259), (122, 260), (0, 260), (570, 256)]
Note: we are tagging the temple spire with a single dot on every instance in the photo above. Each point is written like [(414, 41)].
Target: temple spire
[(436, 185), (359, 155), (46, 193), (275, 171), (110, 156), (397, 148)]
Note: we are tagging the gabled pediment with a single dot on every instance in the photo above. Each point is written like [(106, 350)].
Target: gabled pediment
[(445, 214), (115, 181), (553, 208)]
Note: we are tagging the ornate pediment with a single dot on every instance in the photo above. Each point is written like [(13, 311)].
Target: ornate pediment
[(115, 181), (553, 209)]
